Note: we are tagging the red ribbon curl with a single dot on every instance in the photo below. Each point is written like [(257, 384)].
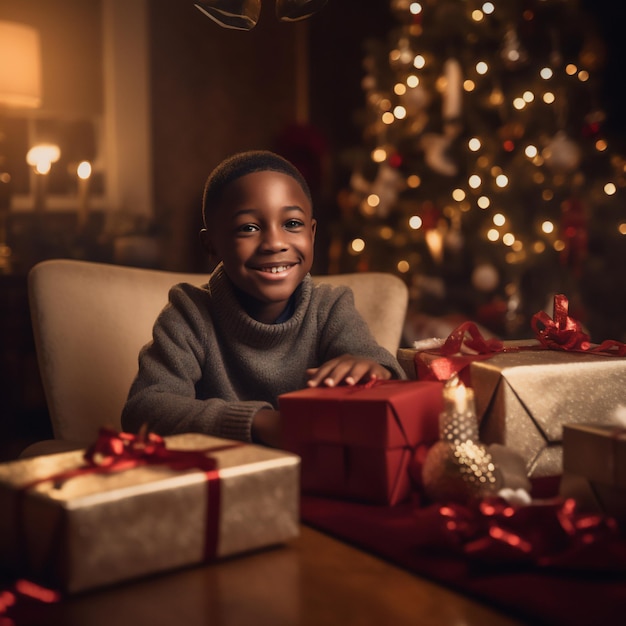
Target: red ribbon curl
[(551, 534)]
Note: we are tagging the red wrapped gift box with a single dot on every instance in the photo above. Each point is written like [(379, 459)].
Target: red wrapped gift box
[(357, 442)]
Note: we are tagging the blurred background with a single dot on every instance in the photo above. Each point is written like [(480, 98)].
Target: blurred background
[(476, 149)]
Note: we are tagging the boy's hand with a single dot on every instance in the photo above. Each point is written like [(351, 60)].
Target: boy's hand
[(346, 369), (266, 428)]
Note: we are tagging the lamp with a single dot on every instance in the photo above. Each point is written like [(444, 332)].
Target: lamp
[(20, 87), (20, 66)]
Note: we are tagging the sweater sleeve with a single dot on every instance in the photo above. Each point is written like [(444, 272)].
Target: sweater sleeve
[(163, 394), (344, 331)]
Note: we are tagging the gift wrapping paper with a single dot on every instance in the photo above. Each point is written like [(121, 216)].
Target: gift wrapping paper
[(86, 530), (594, 467), (526, 393), (356, 442)]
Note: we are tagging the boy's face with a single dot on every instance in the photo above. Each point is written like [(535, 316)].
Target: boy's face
[(263, 232)]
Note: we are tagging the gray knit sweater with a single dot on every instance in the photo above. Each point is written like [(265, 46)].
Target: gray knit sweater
[(210, 366)]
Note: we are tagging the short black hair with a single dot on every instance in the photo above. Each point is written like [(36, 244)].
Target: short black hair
[(240, 164)]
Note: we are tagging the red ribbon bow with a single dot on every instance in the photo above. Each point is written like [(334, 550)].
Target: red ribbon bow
[(548, 534), (562, 332)]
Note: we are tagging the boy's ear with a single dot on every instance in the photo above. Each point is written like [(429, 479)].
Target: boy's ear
[(205, 242), (313, 228)]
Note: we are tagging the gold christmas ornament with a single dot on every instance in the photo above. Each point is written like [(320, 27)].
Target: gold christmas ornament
[(458, 467)]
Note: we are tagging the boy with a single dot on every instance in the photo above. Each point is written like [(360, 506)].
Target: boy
[(221, 354)]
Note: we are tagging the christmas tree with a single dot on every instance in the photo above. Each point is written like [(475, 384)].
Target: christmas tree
[(486, 177)]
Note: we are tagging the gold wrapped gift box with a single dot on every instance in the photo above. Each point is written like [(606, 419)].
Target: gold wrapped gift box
[(594, 468), (524, 397), (95, 529)]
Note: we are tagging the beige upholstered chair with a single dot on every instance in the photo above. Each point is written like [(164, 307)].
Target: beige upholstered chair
[(91, 319)]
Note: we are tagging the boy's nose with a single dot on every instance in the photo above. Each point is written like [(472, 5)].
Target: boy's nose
[(273, 239)]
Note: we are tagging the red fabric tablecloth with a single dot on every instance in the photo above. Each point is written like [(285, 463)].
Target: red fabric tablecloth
[(403, 535)]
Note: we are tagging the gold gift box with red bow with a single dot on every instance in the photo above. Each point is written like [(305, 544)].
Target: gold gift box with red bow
[(83, 519), (526, 391)]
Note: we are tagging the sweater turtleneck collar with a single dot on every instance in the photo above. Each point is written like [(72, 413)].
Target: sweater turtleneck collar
[(235, 321)]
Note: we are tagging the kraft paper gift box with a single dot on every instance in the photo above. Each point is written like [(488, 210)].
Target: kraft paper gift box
[(525, 394), (594, 468), (356, 443), (84, 529)]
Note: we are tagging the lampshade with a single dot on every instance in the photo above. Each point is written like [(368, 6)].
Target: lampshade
[(20, 65)]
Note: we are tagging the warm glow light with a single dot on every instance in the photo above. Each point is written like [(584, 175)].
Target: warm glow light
[(399, 89), (610, 189), (539, 247), (547, 227), (519, 103), (469, 85), (528, 96), (415, 222), (483, 202), (499, 219), (477, 15), (601, 145), (488, 8), (622, 228), (474, 144), (379, 155), (419, 62), (20, 66), (559, 245), (83, 171), (386, 232), (546, 73), (458, 195), (475, 181), (482, 68), (399, 112), (496, 97), (502, 181), (571, 69), (388, 118), (531, 151), (415, 8), (357, 245), (583, 76), (412, 81), (549, 97), (508, 239), (403, 266), (413, 181), (493, 234), (42, 156), (373, 200)]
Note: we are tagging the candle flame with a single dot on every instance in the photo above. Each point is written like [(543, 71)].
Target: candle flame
[(83, 170)]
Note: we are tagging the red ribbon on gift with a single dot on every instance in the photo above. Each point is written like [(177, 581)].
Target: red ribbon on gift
[(562, 332), (551, 534), (119, 451), (466, 344)]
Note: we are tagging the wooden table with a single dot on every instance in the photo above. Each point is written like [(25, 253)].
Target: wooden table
[(313, 580)]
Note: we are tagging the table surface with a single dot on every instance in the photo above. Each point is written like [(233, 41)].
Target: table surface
[(312, 580)]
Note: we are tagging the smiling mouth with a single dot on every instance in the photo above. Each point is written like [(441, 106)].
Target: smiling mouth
[(276, 269)]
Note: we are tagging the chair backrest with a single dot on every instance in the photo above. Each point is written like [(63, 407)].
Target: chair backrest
[(91, 319)]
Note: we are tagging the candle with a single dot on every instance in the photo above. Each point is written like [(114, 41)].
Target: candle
[(83, 171), (458, 398), (40, 158)]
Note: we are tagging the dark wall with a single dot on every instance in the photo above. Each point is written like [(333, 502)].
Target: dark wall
[(214, 91)]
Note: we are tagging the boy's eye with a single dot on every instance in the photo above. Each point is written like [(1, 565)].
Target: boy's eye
[(294, 224), (247, 228)]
